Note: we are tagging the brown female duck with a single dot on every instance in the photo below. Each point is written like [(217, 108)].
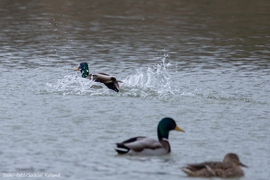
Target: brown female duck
[(230, 167)]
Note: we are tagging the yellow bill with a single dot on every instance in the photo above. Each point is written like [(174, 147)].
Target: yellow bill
[(178, 129)]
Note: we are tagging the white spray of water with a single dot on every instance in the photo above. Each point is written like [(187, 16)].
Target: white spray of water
[(153, 81), (149, 82), (71, 84)]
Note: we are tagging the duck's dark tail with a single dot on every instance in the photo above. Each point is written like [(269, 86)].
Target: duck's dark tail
[(121, 148), (112, 86)]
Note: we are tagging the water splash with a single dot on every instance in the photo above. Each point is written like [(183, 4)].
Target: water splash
[(159, 81), (149, 82), (152, 81), (71, 84)]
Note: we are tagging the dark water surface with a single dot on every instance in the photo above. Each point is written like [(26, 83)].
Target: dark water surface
[(204, 63)]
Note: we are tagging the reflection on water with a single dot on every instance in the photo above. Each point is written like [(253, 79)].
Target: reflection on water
[(206, 33), (205, 63)]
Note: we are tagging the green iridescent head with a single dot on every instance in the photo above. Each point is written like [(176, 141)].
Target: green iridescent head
[(84, 69), (165, 125)]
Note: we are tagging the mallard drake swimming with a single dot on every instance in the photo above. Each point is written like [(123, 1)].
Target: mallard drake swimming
[(141, 145), (104, 78), (230, 167)]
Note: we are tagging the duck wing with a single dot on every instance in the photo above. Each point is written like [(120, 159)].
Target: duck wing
[(108, 80), (141, 145), (104, 78), (221, 169), (114, 79), (210, 169), (104, 74), (205, 165), (113, 86)]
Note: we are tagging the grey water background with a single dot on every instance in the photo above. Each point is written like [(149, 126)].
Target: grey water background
[(203, 63)]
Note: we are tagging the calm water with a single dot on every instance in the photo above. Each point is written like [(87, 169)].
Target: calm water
[(204, 63)]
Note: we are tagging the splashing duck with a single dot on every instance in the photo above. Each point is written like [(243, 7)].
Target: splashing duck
[(110, 81), (229, 168), (141, 145)]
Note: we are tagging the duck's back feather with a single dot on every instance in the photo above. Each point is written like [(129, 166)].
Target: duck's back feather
[(110, 81), (213, 169), (144, 146)]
